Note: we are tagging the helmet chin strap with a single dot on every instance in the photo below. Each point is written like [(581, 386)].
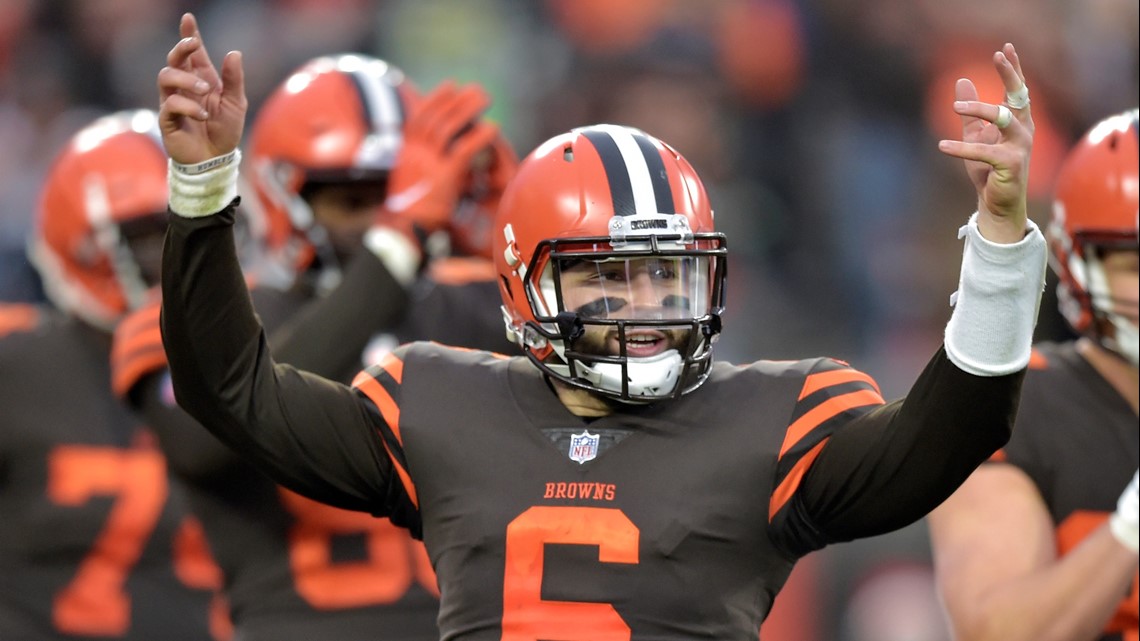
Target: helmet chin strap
[(650, 377)]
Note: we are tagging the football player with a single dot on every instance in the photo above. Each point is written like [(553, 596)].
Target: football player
[(1041, 542), (355, 177), (615, 482), (94, 541)]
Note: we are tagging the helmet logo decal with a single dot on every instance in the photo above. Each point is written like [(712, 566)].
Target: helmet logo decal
[(634, 169), (584, 446)]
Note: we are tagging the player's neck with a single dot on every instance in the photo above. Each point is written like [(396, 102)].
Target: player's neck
[(1122, 376), (581, 402)]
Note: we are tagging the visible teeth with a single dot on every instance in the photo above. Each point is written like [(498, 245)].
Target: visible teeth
[(642, 339)]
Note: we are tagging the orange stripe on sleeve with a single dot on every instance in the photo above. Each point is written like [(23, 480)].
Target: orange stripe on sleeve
[(388, 408), (405, 478), (136, 352), (126, 376), (149, 338), (360, 377), (139, 321), (791, 482), (394, 366), (828, 409), (816, 382), (391, 413)]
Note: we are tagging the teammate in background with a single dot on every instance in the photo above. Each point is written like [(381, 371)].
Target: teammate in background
[(338, 154), (93, 540), (1041, 543), (615, 483)]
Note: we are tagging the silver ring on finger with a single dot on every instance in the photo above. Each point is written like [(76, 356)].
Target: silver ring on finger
[(1004, 117), (1018, 99)]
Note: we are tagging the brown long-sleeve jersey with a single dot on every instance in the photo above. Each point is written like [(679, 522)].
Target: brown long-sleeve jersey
[(684, 527)]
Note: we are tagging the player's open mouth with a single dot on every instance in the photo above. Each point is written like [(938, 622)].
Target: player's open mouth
[(641, 343)]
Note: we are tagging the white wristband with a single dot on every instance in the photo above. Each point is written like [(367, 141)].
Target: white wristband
[(399, 253), (204, 188), (1125, 521), (990, 332)]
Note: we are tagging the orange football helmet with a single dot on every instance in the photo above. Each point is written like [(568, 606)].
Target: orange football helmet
[(102, 206), (335, 119), (588, 214), (1095, 208)]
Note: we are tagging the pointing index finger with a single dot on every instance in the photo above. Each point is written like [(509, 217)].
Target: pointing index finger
[(199, 57)]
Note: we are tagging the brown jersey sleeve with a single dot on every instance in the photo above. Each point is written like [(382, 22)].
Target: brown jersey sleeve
[(884, 466), (312, 435), (350, 312)]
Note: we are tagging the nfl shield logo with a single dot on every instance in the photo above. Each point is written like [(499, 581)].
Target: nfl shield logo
[(583, 447)]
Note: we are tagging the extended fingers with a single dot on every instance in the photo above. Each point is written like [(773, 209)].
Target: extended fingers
[(448, 112), (233, 79), (964, 92), (974, 110), (1008, 65), (424, 123), (463, 113), (1011, 59), (997, 156), (196, 57), (179, 55)]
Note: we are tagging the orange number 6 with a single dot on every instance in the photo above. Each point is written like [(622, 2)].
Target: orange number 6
[(617, 539)]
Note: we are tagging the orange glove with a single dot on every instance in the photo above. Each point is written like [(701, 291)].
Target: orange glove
[(136, 350), (441, 140)]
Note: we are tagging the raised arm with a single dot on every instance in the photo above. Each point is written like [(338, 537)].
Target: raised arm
[(889, 466), (308, 433)]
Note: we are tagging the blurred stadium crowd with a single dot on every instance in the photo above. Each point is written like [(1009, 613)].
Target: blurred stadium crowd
[(813, 122)]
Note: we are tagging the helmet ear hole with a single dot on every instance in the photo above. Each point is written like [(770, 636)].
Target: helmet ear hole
[(568, 154)]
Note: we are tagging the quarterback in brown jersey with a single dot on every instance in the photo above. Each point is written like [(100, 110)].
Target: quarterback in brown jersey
[(1041, 543), (615, 482)]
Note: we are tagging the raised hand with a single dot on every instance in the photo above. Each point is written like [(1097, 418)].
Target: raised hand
[(996, 144), (441, 140), (201, 113)]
